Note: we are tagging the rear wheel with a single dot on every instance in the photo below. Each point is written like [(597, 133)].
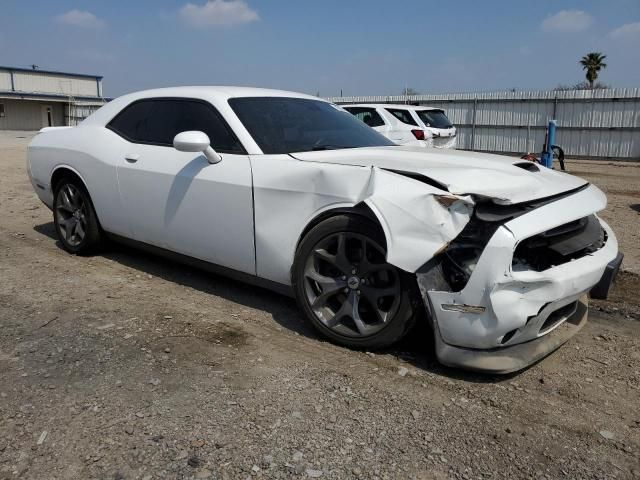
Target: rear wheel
[(74, 217), (346, 288)]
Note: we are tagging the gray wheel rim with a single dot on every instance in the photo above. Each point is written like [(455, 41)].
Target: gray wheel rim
[(71, 215), (349, 286)]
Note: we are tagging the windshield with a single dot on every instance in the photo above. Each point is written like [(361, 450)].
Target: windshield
[(287, 125), (434, 118)]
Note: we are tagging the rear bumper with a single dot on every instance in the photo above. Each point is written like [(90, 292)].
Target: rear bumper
[(445, 142), (516, 357), (427, 142)]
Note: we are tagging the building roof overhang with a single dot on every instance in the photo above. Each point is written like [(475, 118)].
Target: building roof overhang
[(52, 97)]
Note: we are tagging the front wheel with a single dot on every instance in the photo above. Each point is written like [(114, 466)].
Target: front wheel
[(345, 287)]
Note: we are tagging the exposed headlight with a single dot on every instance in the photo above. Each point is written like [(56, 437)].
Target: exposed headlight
[(446, 200)]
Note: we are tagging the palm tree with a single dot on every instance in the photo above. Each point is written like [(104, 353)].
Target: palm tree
[(593, 63)]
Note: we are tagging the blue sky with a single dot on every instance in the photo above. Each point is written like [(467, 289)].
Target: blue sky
[(359, 47)]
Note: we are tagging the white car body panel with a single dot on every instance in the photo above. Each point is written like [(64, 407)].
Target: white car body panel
[(174, 200), (492, 176), (72, 148), (248, 212), (413, 221)]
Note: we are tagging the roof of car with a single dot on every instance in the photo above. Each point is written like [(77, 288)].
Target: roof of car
[(391, 105), (217, 90), (212, 93)]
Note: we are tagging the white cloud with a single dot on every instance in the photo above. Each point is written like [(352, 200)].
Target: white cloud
[(628, 31), (80, 18), (218, 13), (567, 21)]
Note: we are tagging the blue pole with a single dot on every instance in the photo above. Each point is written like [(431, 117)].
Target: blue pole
[(547, 156)]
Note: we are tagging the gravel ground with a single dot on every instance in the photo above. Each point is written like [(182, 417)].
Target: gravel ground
[(621, 182), (125, 366)]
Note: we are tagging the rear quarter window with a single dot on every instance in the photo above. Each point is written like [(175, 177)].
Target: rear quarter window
[(434, 118), (158, 121), (131, 121), (403, 115)]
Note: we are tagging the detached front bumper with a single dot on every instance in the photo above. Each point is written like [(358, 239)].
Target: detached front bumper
[(516, 357), (601, 290), (507, 318)]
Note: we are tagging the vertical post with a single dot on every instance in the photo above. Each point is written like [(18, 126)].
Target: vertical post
[(547, 155), (13, 84), (473, 124)]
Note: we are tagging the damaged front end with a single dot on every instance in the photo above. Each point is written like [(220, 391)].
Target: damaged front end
[(512, 286), (503, 282)]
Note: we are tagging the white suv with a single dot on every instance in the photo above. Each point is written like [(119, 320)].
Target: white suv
[(408, 124)]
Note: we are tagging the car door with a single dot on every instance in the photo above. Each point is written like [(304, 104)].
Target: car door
[(382, 123), (178, 200)]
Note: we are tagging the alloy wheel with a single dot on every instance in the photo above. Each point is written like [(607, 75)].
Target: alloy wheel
[(349, 285), (71, 214)]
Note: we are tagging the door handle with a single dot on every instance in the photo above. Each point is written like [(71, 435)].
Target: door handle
[(132, 157)]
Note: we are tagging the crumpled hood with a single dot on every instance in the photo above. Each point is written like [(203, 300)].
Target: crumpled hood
[(463, 173)]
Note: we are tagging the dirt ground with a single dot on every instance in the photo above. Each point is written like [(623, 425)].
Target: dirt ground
[(125, 366), (621, 182)]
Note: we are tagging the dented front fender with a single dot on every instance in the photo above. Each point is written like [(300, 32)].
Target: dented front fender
[(418, 219)]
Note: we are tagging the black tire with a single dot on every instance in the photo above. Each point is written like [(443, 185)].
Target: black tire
[(352, 229), (76, 213)]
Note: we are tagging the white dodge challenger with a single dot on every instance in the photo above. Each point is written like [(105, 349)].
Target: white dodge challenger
[(293, 193)]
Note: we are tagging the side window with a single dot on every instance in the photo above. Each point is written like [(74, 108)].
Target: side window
[(403, 115), (158, 121), (131, 121), (161, 123), (203, 117), (367, 115)]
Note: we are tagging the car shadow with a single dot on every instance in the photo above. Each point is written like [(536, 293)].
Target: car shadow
[(635, 207), (416, 349), (49, 230), (180, 186)]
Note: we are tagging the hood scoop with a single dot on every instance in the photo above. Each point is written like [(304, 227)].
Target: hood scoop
[(528, 166)]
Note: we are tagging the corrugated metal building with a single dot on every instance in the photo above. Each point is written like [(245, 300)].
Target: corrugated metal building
[(32, 99), (591, 123)]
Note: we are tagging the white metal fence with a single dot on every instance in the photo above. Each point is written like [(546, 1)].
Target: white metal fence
[(591, 123)]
